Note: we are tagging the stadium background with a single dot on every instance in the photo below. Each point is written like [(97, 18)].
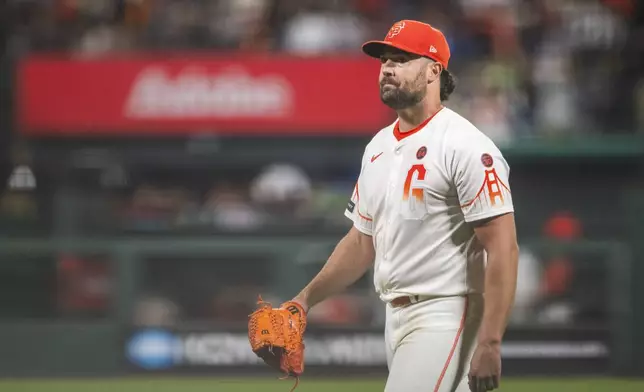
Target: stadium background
[(162, 162)]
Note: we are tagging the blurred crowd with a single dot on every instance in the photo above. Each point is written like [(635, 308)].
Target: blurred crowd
[(555, 287), (279, 195), (525, 66)]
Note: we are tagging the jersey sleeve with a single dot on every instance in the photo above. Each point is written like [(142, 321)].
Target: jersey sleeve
[(481, 176), (357, 209)]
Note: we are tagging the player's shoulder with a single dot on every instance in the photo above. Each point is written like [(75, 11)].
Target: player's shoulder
[(462, 135), (459, 128)]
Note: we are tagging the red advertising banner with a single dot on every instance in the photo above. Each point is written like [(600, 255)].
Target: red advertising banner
[(180, 95)]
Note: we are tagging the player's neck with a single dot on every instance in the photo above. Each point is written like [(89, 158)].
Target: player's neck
[(412, 117)]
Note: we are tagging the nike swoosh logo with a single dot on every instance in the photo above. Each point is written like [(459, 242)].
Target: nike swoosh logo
[(373, 158)]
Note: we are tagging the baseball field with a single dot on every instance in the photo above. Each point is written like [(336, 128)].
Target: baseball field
[(306, 385)]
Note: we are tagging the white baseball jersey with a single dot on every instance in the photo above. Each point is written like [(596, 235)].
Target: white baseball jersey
[(415, 195)]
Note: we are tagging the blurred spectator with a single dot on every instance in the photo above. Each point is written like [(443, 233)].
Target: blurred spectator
[(282, 189), (18, 209), (135, 13), (155, 311), (153, 207), (226, 207), (323, 27), (528, 291), (555, 109), (102, 39), (246, 24), (558, 296), (563, 226), (84, 286)]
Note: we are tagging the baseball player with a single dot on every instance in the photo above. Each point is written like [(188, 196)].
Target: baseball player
[(432, 213)]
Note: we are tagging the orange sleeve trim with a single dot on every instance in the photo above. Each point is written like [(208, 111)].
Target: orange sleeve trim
[(454, 345), (358, 205)]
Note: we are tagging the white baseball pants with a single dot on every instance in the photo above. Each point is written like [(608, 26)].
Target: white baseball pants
[(430, 344)]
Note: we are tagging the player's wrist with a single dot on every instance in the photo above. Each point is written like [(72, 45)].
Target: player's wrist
[(303, 302), (492, 342)]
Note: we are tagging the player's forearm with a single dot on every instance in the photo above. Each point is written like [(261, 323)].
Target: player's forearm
[(352, 257), (500, 287)]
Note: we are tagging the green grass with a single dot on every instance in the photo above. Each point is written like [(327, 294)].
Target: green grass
[(306, 385)]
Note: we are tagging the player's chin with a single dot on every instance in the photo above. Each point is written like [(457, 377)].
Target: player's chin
[(393, 101), (388, 94)]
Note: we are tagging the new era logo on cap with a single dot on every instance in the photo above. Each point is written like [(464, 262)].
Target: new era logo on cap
[(413, 37)]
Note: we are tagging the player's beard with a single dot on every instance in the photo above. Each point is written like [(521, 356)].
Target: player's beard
[(400, 97)]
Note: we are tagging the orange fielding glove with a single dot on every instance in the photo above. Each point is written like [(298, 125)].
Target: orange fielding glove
[(276, 336)]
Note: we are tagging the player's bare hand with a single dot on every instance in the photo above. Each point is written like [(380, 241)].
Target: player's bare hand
[(485, 369)]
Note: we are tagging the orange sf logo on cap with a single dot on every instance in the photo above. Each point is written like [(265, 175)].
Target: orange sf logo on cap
[(396, 29)]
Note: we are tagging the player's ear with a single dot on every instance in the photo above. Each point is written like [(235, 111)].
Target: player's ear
[(434, 70)]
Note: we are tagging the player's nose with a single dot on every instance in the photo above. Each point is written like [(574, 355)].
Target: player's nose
[(387, 72)]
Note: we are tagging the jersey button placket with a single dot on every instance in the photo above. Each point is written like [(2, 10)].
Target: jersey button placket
[(392, 197), (390, 189)]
